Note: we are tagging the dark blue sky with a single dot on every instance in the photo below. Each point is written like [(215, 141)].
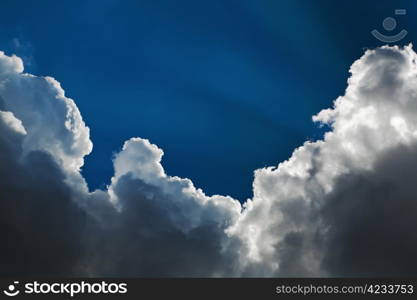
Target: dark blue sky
[(223, 87)]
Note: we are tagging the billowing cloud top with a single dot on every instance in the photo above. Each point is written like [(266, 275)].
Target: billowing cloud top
[(342, 206), (40, 104)]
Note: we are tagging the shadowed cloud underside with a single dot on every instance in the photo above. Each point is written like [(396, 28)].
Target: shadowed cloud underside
[(341, 206)]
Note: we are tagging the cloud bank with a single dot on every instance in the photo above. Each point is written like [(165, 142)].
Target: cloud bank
[(342, 206)]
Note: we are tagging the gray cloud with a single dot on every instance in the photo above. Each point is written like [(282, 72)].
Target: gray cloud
[(40, 225), (341, 206), (371, 218), (337, 206)]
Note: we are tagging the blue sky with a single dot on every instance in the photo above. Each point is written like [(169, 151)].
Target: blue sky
[(223, 87)]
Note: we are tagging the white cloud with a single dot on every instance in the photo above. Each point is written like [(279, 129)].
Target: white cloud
[(56, 125), (318, 213), (376, 115), (140, 160), (12, 122), (10, 65)]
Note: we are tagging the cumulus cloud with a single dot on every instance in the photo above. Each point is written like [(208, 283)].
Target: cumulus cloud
[(162, 225), (40, 224), (10, 64), (341, 206), (146, 223), (56, 126)]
